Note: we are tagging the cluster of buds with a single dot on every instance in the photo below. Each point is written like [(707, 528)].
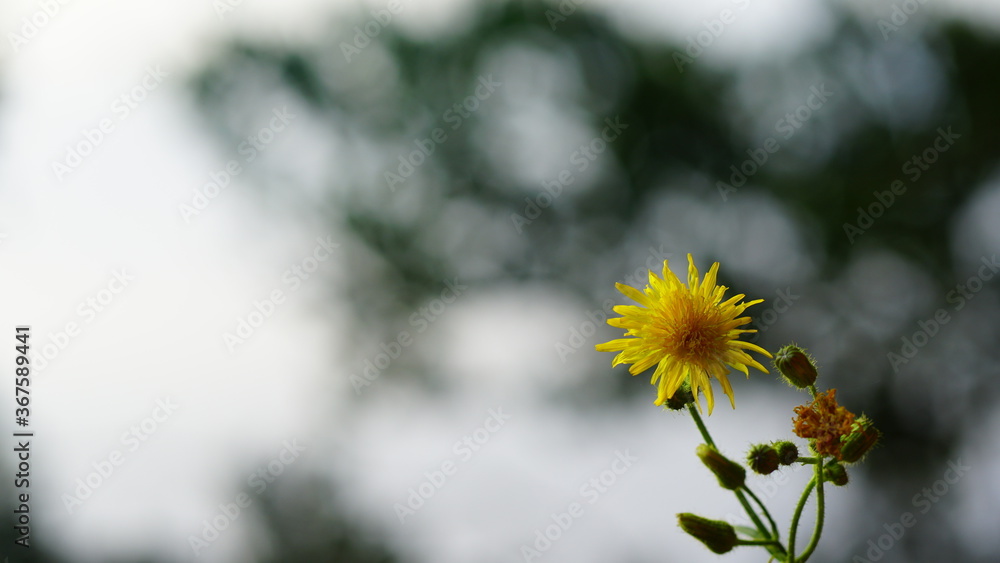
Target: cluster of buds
[(831, 428), (836, 436), (765, 458)]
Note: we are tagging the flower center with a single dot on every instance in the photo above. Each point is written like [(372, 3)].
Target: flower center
[(694, 336), (695, 340)]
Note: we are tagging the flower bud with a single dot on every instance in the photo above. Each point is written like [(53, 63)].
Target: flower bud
[(797, 367), (863, 436), (731, 474), (835, 473), (787, 452), (718, 536), (763, 459), (681, 398)]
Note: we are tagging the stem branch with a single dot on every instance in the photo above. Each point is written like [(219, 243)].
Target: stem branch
[(796, 516), (701, 425), (818, 529), (758, 542), (817, 483), (767, 514), (739, 494)]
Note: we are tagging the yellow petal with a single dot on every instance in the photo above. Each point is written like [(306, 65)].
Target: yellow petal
[(708, 284), (741, 368), (751, 346), (615, 345), (669, 277), (643, 364), (633, 294), (692, 274), (709, 395), (661, 370), (728, 390)]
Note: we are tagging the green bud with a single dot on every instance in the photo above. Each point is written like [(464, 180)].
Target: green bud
[(797, 367), (763, 459), (718, 536), (681, 399), (787, 452), (835, 473), (863, 436), (731, 474)]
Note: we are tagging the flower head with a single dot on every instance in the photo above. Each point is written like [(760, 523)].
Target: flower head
[(835, 473), (717, 535), (787, 452), (687, 331), (763, 459), (863, 436), (825, 422), (796, 366), (731, 475)]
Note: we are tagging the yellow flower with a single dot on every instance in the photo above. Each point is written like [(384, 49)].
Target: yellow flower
[(687, 330)]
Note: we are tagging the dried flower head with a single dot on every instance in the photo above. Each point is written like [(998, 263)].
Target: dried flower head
[(824, 422)]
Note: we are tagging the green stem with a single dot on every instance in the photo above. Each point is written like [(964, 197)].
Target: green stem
[(817, 479), (739, 494), (808, 460), (758, 542), (767, 514), (820, 510), (701, 425), (753, 514)]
